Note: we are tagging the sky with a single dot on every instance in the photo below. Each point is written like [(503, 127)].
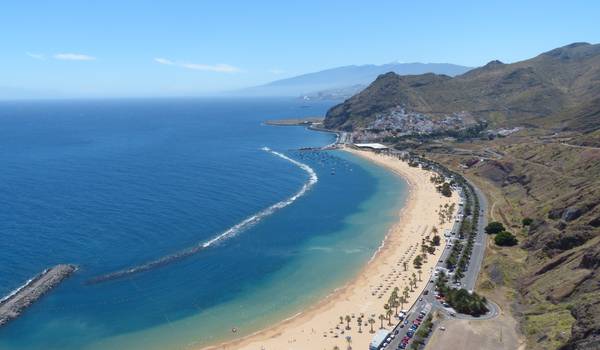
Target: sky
[(130, 48)]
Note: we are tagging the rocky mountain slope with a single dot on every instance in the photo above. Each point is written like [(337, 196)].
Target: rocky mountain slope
[(560, 87), (557, 185)]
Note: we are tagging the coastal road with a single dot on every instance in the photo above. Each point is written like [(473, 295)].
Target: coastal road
[(468, 282)]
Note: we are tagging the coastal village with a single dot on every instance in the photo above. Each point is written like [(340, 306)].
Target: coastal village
[(399, 121)]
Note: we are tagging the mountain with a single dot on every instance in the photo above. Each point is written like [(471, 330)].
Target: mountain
[(350, 78), (545, 172), (560, 87)]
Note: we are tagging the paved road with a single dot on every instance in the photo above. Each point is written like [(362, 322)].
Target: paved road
[(448, 311), (468, 282)]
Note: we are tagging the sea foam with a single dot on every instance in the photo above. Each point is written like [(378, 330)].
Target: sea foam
[(229, 233)]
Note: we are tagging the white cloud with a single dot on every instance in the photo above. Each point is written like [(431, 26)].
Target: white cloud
[(37, 56), (163, 61), (219, 68), (73, 57), (276, 71)]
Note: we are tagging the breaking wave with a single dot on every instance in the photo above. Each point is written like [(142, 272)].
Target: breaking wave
[(231, 232), (21, 287)]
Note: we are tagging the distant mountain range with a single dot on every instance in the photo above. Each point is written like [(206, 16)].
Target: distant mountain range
[(560, 87), (343, 82)]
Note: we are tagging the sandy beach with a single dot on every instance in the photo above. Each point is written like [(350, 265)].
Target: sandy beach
[(363, 298)]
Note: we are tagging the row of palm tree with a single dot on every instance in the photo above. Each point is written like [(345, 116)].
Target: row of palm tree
[(359, 321)]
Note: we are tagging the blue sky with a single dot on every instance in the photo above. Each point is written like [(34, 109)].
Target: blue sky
[(170, 48)]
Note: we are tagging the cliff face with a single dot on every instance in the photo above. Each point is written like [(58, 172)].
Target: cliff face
[(548, 89)]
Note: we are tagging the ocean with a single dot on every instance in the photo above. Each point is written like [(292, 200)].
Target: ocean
[(188, 218)]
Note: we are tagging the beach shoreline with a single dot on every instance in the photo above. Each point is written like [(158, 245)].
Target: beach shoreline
[(319, 326)]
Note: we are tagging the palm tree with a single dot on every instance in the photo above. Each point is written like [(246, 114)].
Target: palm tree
[(405, 293), (402, 300), (341, 319), (389, 316), (395, 304), (420, 272), (348, 319), (405, 265), (359, 325), (381, 318), (371, 322)]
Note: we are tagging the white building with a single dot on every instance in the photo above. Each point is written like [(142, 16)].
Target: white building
[(378, 339), (374, 146)]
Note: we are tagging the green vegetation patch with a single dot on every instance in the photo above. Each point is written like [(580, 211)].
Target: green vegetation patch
[(550, 329), (505, 239), (494, 227)]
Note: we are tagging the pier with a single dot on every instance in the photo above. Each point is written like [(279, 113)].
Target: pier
[(12, 305)]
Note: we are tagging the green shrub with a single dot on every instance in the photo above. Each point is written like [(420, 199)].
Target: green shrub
[(494, 227), (527, 221), (505, 239)]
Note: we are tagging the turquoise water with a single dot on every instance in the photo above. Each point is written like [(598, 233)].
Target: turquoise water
[(111, 185)]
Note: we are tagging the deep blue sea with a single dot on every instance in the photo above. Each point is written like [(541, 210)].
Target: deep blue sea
[(114, 184)]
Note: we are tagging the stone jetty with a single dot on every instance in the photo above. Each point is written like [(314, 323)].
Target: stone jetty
[(12, 305)]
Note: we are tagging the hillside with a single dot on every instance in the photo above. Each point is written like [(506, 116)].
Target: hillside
[(551, 281), (559, 88), (345, 81), (547, 169)]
